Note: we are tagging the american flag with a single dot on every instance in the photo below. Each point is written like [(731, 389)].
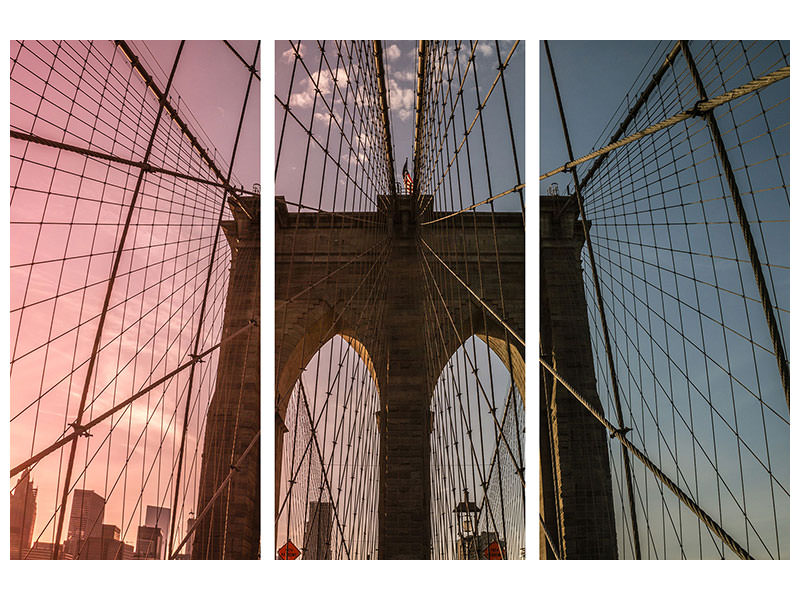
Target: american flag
[(409, 183)]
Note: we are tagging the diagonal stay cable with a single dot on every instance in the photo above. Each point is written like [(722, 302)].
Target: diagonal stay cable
[(516, 188), (480, 466), (108, 343), (643, 97), (752, 252), (249, 67), (422, 55), (384, 109), (163, 99), (714, 410), (619, 435), (370, 295), (200, 323), (145, 166), (698, 109), (107, 300), (281, 301), (481, 107), (294, 474), (80, 430), (322, 466), (223, 484), (496, 459), (480, 300), (600, 307), (309, 133), (517, 468)]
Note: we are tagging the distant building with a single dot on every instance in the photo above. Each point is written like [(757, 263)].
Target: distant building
[(106, 547), (85, 520), (158, 516), (148, 543), (23, 515), (44, 551), (110, 532), (477, 547), (317, 536), (187, 549), (126, 552)]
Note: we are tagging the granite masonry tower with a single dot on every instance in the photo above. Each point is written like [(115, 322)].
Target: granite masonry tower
[(305, 322), (575, 497)]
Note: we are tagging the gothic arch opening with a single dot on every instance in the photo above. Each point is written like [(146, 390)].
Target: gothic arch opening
[(477, 452), (327, 450)]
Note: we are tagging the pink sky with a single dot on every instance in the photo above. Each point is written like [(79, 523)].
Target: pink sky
[(59, 271)]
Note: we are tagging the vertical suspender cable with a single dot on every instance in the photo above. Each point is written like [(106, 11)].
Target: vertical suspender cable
[(174, 513), (418, 125), (384, 108), (117, 258), (752, 252), (601, 310)]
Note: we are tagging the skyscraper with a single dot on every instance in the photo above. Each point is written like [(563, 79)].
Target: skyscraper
[(148, 543), (44, 551), (158, 516), (85, 520), (108, 546), (317, 537), (23, 515)]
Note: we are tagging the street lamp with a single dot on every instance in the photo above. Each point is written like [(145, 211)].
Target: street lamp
[(468, 524)]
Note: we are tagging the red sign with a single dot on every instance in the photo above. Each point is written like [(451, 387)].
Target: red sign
[(288, 551), (494, 552)]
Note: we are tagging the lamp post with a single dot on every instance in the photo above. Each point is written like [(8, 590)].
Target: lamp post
[(468, 525)]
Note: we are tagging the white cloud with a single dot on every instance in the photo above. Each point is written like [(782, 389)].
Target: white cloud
[(393, 52), (324, 82), (303, 99), (288, 55), (485, 48), (404, 75), (402, 99)]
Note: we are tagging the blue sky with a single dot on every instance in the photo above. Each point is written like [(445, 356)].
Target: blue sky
[(691, 343), (401, 75)]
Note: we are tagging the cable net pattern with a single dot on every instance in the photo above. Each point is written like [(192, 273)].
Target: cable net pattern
[(330, 174), (343, 258), (118, 267), (697, 369), (470, 144)]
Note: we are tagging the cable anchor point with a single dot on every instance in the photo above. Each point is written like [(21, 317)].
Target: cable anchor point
[(80, 430), (696, 111), (620, 432)]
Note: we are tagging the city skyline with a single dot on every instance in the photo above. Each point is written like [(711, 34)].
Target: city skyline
[(88, 535)]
